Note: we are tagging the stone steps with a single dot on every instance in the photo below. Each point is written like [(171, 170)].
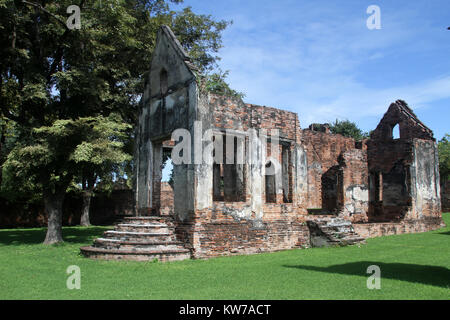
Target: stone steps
[(139, 236), (148, 220), (144, 228), (136, 255), (333, 232), (126, 244), (140, 239)]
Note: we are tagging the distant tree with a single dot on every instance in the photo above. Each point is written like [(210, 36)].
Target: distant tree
[(216, 83), (444, 157), (348, 129), (100, 153)]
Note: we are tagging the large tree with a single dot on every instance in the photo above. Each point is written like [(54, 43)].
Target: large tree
[(53, 80)]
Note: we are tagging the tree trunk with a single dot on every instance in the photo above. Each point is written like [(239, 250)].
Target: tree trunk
[(53, 207), (88, 189), (87, 195), (2, 143)]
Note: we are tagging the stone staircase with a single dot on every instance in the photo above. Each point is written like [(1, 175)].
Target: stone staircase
[(140, 239), (325, 232)]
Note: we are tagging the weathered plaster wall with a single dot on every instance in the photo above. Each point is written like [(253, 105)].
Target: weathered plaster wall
[(355, 185), (169, 103), (425, 186)]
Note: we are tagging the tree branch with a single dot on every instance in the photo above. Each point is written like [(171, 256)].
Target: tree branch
[(59, 53), (40, 7)]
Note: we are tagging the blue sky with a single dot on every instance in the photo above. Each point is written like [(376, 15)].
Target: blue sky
[(319, 59)]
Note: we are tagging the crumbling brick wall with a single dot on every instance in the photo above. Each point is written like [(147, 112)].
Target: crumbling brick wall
[(337, 173), (404, 172), (389, 166), (379, 229), (166, 199), (399, 113), (253, 222), (220, 231), (323, 150), (355, 185)]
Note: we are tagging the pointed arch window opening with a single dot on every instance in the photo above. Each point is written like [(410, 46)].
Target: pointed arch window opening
[(270, 186), (163, 82)]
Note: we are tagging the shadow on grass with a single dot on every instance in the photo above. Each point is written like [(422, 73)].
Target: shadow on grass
[(37, 236), (446, 233), (429, 275)]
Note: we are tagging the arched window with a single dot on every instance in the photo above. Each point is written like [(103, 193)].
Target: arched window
[(163, 84), (270, 187), (396, 132)]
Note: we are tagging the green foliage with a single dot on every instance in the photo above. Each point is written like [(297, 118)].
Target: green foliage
[(72, 95), (444, 157), (102, 152), (348, 129), (54, 154), (216, 83), (200, 36)]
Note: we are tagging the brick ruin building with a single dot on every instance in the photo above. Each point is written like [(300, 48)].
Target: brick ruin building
[(329, 190)]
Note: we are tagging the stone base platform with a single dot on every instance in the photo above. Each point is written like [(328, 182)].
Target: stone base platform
[(139, 239), (379, 229)]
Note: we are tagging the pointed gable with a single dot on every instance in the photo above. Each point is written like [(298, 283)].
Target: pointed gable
[(399, 113), (171, 65)]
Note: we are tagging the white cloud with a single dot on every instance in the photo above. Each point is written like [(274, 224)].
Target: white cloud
[(313, 65)]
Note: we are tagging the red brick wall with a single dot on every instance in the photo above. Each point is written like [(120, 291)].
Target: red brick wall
[(216, 232), (323, 151), (392, 159), (372, 230), (395, 160), (234, 114), (410, 126), (166, 199)]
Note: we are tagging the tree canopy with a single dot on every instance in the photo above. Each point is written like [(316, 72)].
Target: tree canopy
[(69, 97), (348, 128), (444, 157)]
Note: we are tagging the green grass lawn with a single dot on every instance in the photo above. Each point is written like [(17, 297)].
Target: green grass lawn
[(413, 266)]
